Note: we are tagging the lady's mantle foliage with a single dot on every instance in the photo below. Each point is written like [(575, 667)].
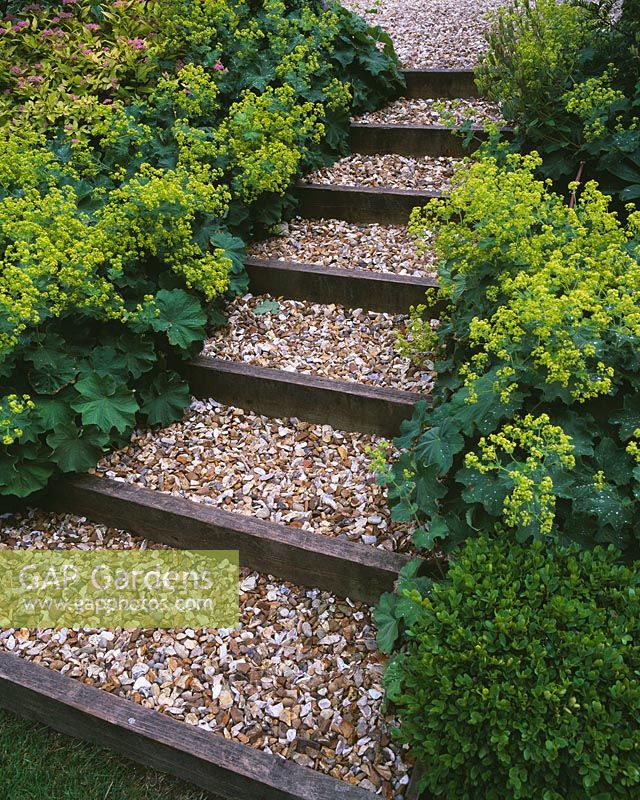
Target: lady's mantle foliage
[(536, 418), (140, 143)]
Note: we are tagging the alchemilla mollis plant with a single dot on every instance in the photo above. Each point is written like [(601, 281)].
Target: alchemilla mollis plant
[(141, 143), (535, 419), (568, 75)]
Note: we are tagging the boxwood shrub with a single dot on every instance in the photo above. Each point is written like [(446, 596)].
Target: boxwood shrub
[(519, 677)]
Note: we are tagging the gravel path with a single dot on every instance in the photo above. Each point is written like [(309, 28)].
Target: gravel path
[(434, 112), (288, 471), (394, 171), (336, 243), (431, 33), (329, 340), (300, 677)]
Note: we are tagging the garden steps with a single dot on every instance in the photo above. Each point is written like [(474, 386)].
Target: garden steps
[(347, 568), (443, 83), (346, 405)]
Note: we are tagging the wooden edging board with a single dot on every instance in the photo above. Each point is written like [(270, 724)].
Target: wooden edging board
[(226, 768), (346, 405), (364, 204), (414, 140), (354, 288), (439, 83), (348, 569)]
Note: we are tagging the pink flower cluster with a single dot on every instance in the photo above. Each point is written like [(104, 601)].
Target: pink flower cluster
[(20, 25), (137, 44), (218, 65)]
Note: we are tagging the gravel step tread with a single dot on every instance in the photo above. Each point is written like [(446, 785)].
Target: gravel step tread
[(432, 33), (336, 243), (308, 476), (434, 112), (388, 171), (325, 340), (301, 677)]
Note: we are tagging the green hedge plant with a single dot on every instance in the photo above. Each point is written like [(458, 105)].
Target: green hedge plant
[(519, 675)]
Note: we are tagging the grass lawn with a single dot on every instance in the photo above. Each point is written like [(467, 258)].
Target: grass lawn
[(39, 764)]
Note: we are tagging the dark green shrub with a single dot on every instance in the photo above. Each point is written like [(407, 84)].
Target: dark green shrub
[(519, 676)]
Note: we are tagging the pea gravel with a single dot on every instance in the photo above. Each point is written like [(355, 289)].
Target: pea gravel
[(434, 112), (336, 243), (300, 677), (312, 338), (288, 471), (393, 171), (431, 33)]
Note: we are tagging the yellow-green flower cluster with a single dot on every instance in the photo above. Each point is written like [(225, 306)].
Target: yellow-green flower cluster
[(592, 101), (533, 46), (153, 215), (564, 280), (263, 135), (525, 451), (14, 411)]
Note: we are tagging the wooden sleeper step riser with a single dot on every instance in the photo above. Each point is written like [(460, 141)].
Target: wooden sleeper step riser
[(348, 569), (353, 288), (414, 140), (447, 84), (359, 204), (225, 768), (344, 405)]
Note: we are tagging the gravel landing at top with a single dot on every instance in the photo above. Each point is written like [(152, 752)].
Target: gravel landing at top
[(300, 677), (434, 112), (336, 243), (315, 339), (431, 33), (393, 171)]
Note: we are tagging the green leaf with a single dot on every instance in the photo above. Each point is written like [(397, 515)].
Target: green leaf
[(53, 367), (483, 489), (73, 449), (22, 478), (267, 307), (426, 539), (105, 403), (165, 400), (607, 505), (614, 462), (181, 317), (56, 411), (105, 361), (439, 445), (137, 354), (629, 419), (386, 622)]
